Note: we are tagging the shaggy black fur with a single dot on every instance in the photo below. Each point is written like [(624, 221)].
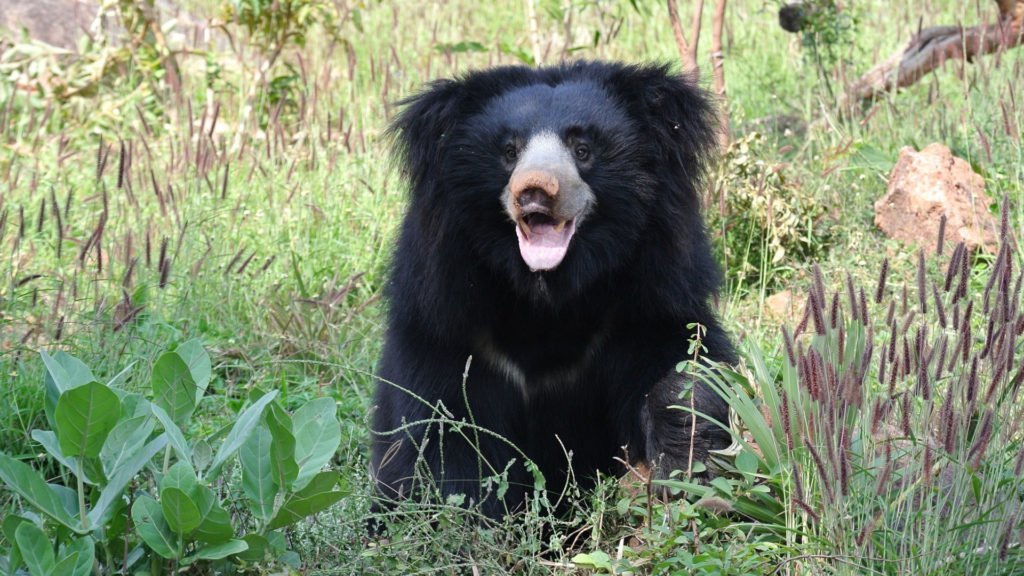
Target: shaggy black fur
[(594, 341)]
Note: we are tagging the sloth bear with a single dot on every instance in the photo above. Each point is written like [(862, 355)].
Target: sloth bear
[(554, 234)]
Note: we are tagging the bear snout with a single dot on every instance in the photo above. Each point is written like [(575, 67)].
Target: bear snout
[(534, 200), (533, 186)]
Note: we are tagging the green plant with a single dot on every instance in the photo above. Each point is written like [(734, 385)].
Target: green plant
[(271, 27), (109, 441), (730, 524), (764, 222), (826, 27)]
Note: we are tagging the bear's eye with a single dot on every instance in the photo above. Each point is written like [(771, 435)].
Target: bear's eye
[(582, 152), (511, 154)]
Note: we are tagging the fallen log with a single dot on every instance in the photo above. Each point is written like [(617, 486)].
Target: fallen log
[(932, 47)]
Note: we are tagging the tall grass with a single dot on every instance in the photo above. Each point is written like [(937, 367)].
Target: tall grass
[(891, 429)]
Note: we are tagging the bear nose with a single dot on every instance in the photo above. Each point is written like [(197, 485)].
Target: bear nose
[(534, 188), (534, 199)]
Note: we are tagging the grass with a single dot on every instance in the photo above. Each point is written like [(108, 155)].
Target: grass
[(273, 254)]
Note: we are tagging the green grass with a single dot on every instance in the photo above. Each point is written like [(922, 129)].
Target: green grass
[(312, 203)]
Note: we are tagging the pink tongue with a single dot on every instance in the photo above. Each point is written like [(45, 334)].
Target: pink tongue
[(546, 247)]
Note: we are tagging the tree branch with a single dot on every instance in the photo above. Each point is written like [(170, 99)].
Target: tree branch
[(718, 69), (691, 56), (932, 47), (687, 51), (677, 30)]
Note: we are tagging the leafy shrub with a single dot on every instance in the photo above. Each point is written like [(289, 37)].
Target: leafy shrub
[(273, 25), (826, 27), (763, 219), (131, 510)]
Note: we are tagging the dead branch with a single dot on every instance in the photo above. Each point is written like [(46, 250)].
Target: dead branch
[(688, 53), (932, 47), (691, 56), (718, 68), (531, 18), (687, 50)]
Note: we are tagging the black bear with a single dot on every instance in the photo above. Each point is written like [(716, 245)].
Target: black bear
[(554, 234)]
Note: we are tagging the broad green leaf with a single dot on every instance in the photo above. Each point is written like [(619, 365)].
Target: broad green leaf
[(127, 438), (68, 498), (65, 566), (282, 449), (317, 437), (218, 551), (239, 433), (152, 527), (132, 404), (316, 497), (63, 372), (257, 551), (9, 527), (596, 560), (173, 387), (114, 490), (276, 542), (723, 485), (257, 472), (291, 559), (85, 415), (174, 435), (36, 550), (48, 440), (198, 362), (28, 484), (84, 551), (746, 462), (204, 499), (180, 476), (216, 525), (202, 455), (181, 513)]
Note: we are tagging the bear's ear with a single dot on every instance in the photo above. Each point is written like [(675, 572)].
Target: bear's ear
[(421, 126), (675, 111)]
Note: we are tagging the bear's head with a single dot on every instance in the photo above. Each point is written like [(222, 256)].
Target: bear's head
[(562, 174)]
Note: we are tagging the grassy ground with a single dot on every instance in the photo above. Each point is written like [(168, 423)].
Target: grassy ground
[(132, 220)]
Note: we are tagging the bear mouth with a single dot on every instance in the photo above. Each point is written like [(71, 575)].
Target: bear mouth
[(544, 240)]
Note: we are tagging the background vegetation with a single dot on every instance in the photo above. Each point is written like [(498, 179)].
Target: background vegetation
[(214, 182)]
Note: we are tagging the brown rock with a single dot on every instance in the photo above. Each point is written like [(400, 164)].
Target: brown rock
[(61, 23), (785, 307), (927, 184), (56, 22)]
